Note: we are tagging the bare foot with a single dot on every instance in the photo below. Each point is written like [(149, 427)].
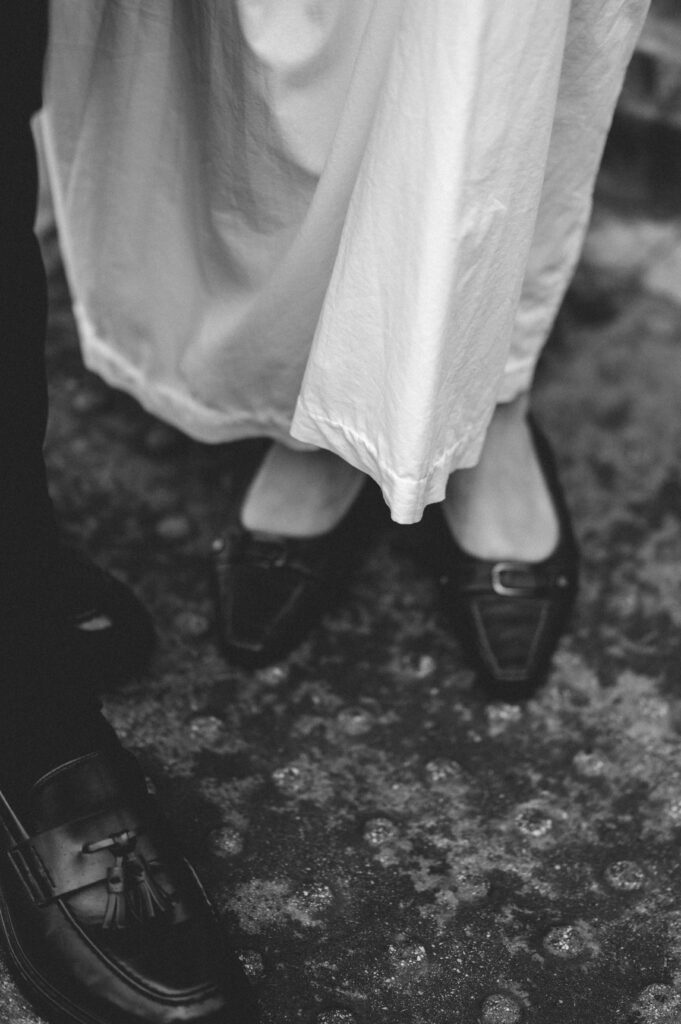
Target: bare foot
[(300, 493), (502, 508)]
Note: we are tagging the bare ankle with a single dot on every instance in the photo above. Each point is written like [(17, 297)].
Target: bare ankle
[(300, 494), (502, 508)]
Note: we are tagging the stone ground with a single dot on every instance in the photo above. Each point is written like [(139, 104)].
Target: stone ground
[(383, 846)]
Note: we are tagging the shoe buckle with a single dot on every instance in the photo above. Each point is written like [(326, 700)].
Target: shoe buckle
[(516, 570)]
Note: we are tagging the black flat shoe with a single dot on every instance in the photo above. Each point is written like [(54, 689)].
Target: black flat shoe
[(270, 591), (509, 615), (99, 630), (103, 920)]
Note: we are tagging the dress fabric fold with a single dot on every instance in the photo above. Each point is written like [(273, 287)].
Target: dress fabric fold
[(340, 223)]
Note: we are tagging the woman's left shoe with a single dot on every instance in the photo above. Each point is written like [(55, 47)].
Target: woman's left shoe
[(509, 615), (269, 590)]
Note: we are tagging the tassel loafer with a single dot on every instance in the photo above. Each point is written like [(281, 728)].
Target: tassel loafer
[(509, 615), (103, 919)]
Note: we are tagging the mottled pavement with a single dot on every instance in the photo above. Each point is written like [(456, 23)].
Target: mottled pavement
[(384, 847)]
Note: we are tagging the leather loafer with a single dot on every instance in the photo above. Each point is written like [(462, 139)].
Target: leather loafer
[(269, 590), (103, 919), (99, 630), (509, 615)]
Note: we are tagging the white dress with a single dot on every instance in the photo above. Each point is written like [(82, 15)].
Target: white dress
[(347, 223)]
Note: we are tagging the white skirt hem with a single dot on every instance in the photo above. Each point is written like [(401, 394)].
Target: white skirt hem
[(209, 426), (406, 496)]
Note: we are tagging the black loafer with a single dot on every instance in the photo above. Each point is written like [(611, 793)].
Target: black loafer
[(99, 630), (103, 920), (269, 591), (509, 615)]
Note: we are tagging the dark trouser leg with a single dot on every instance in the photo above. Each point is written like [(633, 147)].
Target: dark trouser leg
[(27, 533), (42, 719)]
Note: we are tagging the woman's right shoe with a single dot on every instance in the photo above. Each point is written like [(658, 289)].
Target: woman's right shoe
[(270, 591), (103, 920)]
